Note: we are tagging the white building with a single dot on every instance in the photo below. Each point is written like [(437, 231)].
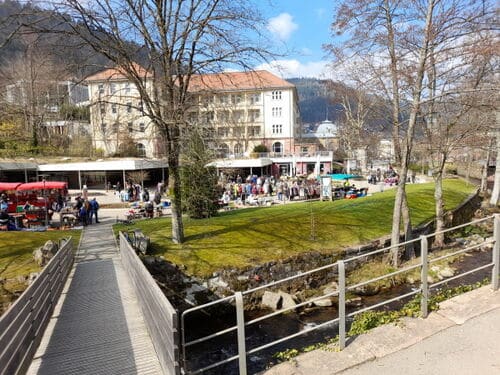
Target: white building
[(239, 110)]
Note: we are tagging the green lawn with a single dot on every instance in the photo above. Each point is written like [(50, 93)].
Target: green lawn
[(254, 236), (16, 249)]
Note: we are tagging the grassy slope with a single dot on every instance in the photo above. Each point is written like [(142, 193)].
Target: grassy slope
[(16, 249), (254, 236)]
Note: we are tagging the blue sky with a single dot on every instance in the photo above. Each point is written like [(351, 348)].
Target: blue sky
[(300, 27)]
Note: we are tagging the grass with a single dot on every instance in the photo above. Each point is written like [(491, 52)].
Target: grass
[(243, 238), (16, 250)]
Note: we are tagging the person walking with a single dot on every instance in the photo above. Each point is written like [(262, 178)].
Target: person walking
[(93, 207)]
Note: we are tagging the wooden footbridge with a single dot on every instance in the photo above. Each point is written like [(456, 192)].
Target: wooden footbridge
[(99, 324)]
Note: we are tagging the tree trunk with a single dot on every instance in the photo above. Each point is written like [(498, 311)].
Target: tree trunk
[(174, 184), (415, 108), (408, 230), (438, 200), (495, 195), (484, 174)]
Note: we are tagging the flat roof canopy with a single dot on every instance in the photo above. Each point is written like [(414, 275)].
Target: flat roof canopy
[(109, 165), (16, 166), (241, 163)]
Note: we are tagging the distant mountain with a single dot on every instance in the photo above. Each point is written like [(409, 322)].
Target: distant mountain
[(316, 101)]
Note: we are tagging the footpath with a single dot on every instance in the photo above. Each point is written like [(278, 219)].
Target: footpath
[(461, 338)]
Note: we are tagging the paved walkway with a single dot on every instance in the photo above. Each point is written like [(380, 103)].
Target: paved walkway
[(462, 338), (97, 326)]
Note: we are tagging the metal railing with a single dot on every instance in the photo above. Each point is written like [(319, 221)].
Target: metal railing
[(23, 324), (343, 288)]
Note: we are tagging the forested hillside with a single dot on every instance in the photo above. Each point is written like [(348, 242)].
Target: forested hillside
[(316, 100)]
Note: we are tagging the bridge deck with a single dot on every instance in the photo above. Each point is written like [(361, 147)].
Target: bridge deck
[(97, 326)]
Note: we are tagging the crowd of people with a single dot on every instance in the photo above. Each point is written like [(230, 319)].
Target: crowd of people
[(246, 191), (86, 210)]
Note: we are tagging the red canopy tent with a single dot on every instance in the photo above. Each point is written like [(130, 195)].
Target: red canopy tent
[(42, 185), (9, 186)]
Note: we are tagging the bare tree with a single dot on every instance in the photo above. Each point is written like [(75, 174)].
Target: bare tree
[(404, 37), (180, 38)]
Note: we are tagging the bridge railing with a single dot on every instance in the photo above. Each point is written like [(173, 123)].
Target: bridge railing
[(160, 317), (23, 324), (342, 318)]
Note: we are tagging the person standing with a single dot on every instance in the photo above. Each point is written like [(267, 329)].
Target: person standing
[(93, 207), (85, 192)]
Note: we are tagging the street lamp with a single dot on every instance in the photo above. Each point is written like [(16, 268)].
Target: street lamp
[(46, 205)]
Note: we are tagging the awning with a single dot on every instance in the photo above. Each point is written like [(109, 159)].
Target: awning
[(108, 165), (42, 185), (7, 186), (241, 163)]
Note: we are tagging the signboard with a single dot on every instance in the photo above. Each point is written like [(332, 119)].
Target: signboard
[(326, 187)]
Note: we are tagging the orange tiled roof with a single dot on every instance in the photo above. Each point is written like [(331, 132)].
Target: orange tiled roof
[(237, 81), (116, 73)]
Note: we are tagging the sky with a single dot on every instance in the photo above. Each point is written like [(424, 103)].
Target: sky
[(300, 28)]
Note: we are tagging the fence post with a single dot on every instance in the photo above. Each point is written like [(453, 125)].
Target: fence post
[(342, 317), (496, 253), (240, 322), (424, 285)]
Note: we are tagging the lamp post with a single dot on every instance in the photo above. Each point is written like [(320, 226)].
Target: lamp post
[(46, 205)]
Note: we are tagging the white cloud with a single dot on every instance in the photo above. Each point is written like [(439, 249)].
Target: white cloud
[(306, 51), (282, 26), (296, 69)]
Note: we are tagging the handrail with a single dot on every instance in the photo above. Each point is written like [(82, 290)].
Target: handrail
[(23, 324), (425, 286)]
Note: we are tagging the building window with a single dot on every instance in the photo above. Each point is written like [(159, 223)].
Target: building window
[(113, 108), (103, 128), (276, 95), (100, 88), (254, 98), (277, 129), (127, 88), (209, 117), (129, 107), (304, 150), (254, 131), (236, 98), (238, 115), (116, 127), (222, 132), (223, 99), (223, 150), (276, 111), (112, 88), (278, 147), (102, 108), (141, 150), (223, 116), (254, 115), (238, 131), (142, 127), (193, 117), (208, 99), (238, 149)]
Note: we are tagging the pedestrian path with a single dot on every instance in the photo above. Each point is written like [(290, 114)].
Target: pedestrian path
[(97, 326), (461, 338)]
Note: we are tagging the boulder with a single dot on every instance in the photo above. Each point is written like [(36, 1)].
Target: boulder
[(287, 300), (367, 290), (354, 302), (446, 272), (324, 302), (271, 300), (38, 257)]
